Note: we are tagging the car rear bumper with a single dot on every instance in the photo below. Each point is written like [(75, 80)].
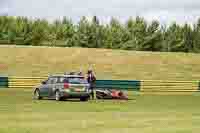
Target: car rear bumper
[(74, 94)]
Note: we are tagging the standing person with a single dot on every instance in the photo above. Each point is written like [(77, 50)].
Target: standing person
[(80, 73), (91, 80)]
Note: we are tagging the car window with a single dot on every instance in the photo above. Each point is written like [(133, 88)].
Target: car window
[(52, 80), (77, 80), (62, 80), (49, 81)]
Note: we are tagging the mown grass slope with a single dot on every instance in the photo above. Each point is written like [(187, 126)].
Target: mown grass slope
[(108, 64), (19, 113), (143, 114)]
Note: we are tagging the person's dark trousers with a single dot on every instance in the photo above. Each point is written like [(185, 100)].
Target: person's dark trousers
[(92, 91)]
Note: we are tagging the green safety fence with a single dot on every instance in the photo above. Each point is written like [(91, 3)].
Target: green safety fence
[(3, 82), (118, 84)]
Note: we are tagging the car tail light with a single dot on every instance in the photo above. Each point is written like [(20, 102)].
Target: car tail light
[(66, 85)]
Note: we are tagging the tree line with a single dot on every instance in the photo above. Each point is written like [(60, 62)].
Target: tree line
[(135, 34)]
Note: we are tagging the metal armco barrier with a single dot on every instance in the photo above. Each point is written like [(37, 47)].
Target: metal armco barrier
[(134, 85), (169, 86), (199, 86), (24, 82)]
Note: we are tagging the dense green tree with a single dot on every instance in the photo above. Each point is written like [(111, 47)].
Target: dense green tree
[(153, 38), (115, 34), (82, 33), (174, 38), (137, 31), (196, 37), (135, 34)]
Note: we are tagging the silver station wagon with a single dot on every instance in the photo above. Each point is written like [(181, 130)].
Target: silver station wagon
[(60, 87)]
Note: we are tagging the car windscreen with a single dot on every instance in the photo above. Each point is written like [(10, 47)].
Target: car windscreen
[(77, 80)]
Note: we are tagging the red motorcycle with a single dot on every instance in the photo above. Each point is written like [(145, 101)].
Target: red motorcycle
[(111, 94)]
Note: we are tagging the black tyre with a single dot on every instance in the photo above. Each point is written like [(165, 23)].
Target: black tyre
[(57, 95), (84, 98), (99, 97), (37, 95)]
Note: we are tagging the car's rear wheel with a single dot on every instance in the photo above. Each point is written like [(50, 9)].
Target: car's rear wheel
[(57, 95), (37, 95), (84, 98)]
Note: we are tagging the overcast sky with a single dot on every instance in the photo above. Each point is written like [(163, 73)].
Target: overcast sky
[(165, 11)]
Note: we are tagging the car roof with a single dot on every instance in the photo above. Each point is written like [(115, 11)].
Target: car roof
[(67, 76)]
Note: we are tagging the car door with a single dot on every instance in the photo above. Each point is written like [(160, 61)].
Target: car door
[(44, 90), (52, 86)]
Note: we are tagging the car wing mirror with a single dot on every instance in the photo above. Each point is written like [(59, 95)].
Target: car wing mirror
[(43, 82)]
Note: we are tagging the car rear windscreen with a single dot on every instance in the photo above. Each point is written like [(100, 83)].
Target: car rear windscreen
[(77, 80)]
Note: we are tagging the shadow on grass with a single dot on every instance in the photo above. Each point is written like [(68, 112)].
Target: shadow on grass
[(78, 100), (116, 99), (63, 100)]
